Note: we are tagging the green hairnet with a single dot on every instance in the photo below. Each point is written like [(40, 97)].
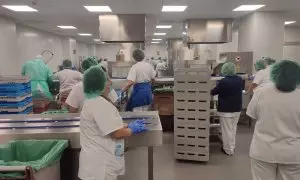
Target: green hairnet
[(269, 61), (138, 55), (286, 75), (88, 62), (260, 65), (67, 63), (94, 82), (228, 69)]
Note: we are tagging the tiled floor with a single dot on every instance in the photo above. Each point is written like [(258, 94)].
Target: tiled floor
[(220, 166)]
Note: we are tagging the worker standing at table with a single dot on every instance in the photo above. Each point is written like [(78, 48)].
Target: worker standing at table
[(275, 144), (140, 76), (259, 66), (68, 77), (40, 74), (102, 131), (229, 91)]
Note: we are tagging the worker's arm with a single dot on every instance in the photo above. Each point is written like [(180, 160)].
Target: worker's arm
[(217, 89), (252, 87), (72, 109), (121, 133), (128, 84)]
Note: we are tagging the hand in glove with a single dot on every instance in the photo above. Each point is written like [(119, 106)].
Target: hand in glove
[(137, 126)]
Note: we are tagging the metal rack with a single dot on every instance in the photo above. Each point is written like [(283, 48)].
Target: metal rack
[(192, 113)]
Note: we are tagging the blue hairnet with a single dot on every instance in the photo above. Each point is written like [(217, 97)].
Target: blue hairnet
[(94, 82), (286, 75), (88, 62), (228, 69), (260, 65)]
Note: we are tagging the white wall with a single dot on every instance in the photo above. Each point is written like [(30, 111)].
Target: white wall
[(8, 48), (292, 37)]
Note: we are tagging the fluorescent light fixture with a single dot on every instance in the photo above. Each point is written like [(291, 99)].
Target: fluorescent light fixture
[(159, 34), (67, 27), (173, 8), (289, 22), (98, 8), (84, 34), (20, 8), (164, 26), (184, 33), (153, 42), (156, 39), (248, 7), (97, 40)]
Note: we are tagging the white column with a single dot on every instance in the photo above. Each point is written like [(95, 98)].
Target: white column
[(262, 33)]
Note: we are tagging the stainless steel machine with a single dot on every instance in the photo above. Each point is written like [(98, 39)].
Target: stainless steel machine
[(66, 126)]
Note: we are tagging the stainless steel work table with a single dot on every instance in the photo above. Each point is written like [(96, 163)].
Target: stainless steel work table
[(66, 126)]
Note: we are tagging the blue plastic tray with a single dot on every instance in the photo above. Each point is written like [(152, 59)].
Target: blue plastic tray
[(15, 93), (16, 104), (14, 86), (26, 111)]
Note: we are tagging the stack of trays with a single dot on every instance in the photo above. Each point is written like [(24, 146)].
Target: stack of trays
[(15, 95)]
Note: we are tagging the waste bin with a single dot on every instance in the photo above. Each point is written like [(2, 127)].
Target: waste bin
[(42, 156)]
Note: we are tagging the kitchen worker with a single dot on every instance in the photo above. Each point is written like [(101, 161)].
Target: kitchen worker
[(40, 74), (260, 76), (140, 76), (229, 91), (68, 77), (102, 131), (275, 144), (76, 98)]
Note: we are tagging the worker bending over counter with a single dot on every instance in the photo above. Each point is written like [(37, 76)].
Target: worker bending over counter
[(102, 131), (140, 76), (76, 97), (275, 145)]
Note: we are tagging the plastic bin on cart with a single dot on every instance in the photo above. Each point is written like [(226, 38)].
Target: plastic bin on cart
[(43, 156)]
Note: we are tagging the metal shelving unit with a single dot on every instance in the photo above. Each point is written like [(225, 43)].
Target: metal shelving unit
[(192, 113)]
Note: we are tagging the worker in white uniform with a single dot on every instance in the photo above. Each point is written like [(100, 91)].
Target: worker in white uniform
[(275, 147), (140, 76), (102, 131), (76, 97), (160, 67), (229, 91), (67, 79)]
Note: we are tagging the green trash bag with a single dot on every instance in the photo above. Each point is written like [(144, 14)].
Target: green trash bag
[(35, 153)]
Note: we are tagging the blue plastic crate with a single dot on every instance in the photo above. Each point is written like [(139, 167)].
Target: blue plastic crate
[(28, 110), (14, 86), (15, 93), (15, 104)]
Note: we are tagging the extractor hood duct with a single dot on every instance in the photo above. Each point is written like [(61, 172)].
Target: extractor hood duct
[(127, 28), (204, 31)]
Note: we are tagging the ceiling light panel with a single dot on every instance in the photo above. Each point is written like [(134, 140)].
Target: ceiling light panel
[(154, 42), (156, 39), (84, 34), (173, 8), (159, 34), (20, 8), (164, 26), (289, 22), (97, 40), (98, 8), (66, 27), (248, 7)]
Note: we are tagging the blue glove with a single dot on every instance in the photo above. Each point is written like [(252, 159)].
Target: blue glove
[(137, 126)]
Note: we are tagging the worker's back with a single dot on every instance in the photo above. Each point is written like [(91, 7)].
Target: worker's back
[(68, 78), (141, 72), (37, 70)]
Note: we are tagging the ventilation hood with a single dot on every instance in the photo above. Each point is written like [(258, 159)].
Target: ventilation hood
[(127, 28), (204, 31)]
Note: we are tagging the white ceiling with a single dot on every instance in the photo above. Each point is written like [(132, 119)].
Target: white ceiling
[(71, 12)]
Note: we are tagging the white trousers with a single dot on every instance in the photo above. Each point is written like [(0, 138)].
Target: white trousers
[(270, 171), (229, 123)]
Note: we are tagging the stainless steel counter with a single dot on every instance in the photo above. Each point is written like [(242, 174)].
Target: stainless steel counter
[(66, 126)]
